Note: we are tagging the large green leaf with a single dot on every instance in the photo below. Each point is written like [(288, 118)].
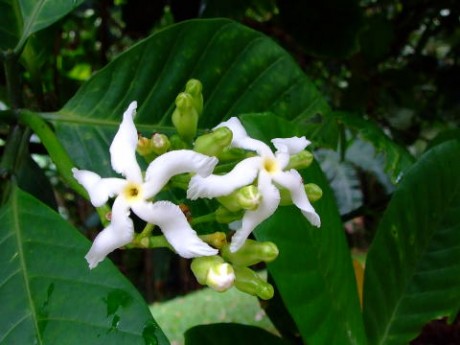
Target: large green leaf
[(47, 293), (21, 18), (313, 272), (230, 334), (413, 267), (241, 71)]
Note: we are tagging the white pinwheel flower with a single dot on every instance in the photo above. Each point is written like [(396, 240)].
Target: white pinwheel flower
[(268, 168), (134, 191)]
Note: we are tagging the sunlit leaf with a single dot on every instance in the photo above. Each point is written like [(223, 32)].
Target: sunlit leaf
[(413, 267), (47, 293)]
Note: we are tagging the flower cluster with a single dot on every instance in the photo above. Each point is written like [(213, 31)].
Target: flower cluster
[(249, 193)]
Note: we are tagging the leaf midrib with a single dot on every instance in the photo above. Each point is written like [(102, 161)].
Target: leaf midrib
[(16, 228)]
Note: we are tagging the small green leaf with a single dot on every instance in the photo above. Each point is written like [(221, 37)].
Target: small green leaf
[(413, 267), (21, 18), (47, 293), (230, 334)]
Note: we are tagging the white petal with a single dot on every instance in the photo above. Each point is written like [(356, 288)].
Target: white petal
[(175, 227), (242, 140), (241, 175), (99, 189), (174, 163), (290, 145), (269, 204), (292, 181), (119, 233), (123, 148), (236, 127)]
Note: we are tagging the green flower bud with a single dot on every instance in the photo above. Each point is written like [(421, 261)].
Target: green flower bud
[(185, 117), (212, 144), (177, 143), (144, 146), (314, 192), (247, 198), (234, 154), (225, 216), (216, 239), (251, 253), (160, 143), (194, 88), (251, 283), (214, 272), (300, 160)]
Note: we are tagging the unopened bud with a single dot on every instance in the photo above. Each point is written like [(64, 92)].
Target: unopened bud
[(251, 283), (225, 216), (185, 117), (234, 154), (212, 144), (247, 198), (216, 239), (194, 88), (177, 143), (144, 146), (300, 160), (251, 253), (313, 191), (214, 272), (160, 143)]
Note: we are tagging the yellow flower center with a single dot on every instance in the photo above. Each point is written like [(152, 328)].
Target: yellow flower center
[(132, 192), (271, 165)]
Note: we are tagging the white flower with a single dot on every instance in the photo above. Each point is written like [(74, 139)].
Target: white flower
[(133, 193), (268, 168)]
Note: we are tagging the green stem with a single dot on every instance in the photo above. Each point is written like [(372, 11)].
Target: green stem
[(12, 75), (207, 218), (55, 149)]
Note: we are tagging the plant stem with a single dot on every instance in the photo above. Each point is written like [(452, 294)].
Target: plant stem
[(210, 217), (55, 149), (12, 75)]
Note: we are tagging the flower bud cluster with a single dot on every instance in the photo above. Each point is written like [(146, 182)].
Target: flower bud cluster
[(242, 174)]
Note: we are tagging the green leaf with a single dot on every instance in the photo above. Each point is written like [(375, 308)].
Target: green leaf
[(413, 267), (397, 158), (313, 272), (47, 293), (21, 18), (241, 71), (230, 334)]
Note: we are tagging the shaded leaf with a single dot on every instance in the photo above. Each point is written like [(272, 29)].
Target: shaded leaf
[(397, 158), (47, 293), (413, 267), (21, 18), (241, 71), (230, 333), (313, 272)]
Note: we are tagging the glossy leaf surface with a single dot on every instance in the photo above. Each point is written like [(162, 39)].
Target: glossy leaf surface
[(47, 293), (241, 71), (314, 271), (21, 18), (413, 267)]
